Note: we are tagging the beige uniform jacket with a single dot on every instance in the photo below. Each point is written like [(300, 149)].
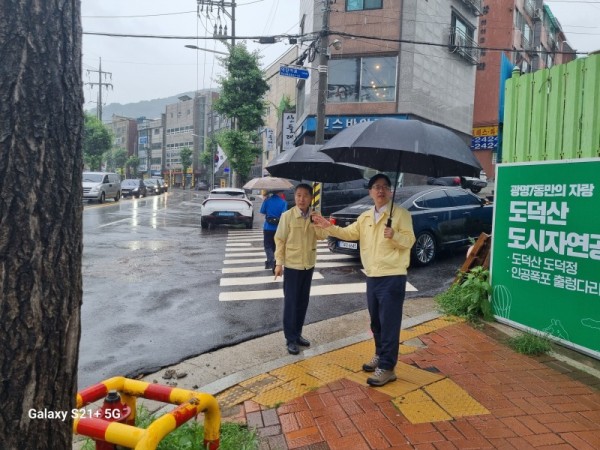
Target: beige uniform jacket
[(380, 256), (296, 241)]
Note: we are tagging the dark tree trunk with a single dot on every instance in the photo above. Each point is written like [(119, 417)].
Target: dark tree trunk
[(41, 120)]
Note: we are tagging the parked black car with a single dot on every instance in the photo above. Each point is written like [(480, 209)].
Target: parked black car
[(474, 184), (153, 186), (334, 196), (443, 218), (133, 187)]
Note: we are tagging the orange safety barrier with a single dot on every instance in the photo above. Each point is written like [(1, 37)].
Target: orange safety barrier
[(190, 404)]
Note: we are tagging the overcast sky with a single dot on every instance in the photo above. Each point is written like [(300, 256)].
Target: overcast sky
[(145, 69)]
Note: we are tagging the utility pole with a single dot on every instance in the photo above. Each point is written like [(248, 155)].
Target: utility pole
[(323, 44), (100, 86), (217, 7)]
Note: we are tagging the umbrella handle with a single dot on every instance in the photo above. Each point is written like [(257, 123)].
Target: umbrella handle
[(389, 222)]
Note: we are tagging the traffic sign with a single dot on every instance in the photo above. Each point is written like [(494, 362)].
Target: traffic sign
[(294, 72)]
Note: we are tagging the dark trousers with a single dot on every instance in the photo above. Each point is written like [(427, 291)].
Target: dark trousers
[(385, 299), (296, 291), (269, 243)]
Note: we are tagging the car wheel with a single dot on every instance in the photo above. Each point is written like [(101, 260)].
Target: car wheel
[(137, 196), (425, 249), (203, 224), (102, 198), (118, 196), (475, 190)]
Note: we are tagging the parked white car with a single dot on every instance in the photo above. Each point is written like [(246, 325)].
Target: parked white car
[(227, 206), (101, 185)]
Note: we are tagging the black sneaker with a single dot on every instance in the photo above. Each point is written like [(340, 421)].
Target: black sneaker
[(303, 342)]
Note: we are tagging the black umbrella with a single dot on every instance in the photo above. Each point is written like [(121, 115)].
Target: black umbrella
[(306, 163), (408, 145)]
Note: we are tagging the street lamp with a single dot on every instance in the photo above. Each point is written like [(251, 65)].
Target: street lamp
[(195, 47)]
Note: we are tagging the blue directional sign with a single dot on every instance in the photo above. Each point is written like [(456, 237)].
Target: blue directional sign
[(295, 72)]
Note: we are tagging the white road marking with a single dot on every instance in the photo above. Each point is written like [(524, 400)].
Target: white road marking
[(116, 221), (245, 281), (238, 244), (258, 252), (250, 261), (325, 289)]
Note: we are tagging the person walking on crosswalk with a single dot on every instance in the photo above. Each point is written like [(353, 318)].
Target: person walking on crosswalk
[(295, 258), (385, 255), (273, 207)]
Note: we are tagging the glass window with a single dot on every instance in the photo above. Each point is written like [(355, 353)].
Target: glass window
[(433, 199), (362, 80), (359, 5), (462, 198), (343, 79), (378, 79)]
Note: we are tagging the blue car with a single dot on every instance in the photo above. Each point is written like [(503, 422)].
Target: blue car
[(443, 217)]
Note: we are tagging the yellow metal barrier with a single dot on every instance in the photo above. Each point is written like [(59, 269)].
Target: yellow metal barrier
[(190, 404)]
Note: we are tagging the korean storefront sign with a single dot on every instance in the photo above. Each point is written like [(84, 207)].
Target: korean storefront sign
[(546, 250), (289, 124)]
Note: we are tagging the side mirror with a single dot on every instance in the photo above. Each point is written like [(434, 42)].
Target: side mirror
[(252, 198)]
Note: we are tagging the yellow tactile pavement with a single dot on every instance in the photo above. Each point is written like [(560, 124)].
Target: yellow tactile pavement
[(420, 395)]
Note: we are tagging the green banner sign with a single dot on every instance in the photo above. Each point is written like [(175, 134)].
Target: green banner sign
[(546, 250)]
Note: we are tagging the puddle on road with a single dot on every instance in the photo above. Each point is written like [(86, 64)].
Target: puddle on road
[(145, 245)]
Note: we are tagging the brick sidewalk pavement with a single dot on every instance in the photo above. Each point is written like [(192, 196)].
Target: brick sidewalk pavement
[(519, 402)]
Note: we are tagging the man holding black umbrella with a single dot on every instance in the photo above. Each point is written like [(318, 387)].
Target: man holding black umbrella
[(386, 237)]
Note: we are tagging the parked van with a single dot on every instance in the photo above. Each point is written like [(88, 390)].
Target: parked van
[(101, 185)]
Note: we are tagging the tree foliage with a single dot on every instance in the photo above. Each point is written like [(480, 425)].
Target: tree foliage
[(97, 140), (240, 149), (242, 89), (116, 159), (41, 238), (131, 165)]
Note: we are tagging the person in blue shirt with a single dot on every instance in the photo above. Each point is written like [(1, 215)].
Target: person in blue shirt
[(273, 207)]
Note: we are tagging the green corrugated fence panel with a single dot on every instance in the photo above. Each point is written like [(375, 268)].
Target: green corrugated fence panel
[(590, 117), (510, 118), (554, 124), (553, 114), (523, 136), (573, 103), (539, 115)]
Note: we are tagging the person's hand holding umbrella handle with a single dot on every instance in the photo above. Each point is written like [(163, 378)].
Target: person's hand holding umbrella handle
[(388, 232)]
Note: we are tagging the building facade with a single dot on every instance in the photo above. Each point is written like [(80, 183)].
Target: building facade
[(379, 67), (533, 39)]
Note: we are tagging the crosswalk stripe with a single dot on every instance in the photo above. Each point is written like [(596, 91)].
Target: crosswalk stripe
[(258, 251), (324, 289), (249, 261), (238, 244), (245, 281)]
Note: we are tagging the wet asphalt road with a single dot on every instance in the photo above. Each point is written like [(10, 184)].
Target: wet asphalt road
[(151, 287)]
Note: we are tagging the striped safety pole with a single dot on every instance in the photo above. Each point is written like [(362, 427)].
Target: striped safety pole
[(316, 201)]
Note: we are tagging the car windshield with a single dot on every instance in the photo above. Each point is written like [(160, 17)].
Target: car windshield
[(149, 182), (93, 177), (130, 183)]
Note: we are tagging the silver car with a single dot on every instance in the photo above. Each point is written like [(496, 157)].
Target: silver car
[(101, 185)]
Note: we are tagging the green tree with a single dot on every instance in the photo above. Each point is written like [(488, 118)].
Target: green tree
[(241, 99), (97, 140), (116, 159), (186, 161), (41, 237), (131, 166)]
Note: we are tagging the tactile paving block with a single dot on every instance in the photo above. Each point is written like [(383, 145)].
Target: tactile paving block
[(418, 407), (289, 372), (275, 397), (428, 327), (302, 384), (415, 375), (261, 383), (234, 396), (456, 401), (329, 373)]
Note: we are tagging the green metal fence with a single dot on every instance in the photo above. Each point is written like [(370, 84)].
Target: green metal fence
[(553, 114)]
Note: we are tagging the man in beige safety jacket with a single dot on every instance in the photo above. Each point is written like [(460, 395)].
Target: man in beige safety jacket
[(385, 255), (296, 251)]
